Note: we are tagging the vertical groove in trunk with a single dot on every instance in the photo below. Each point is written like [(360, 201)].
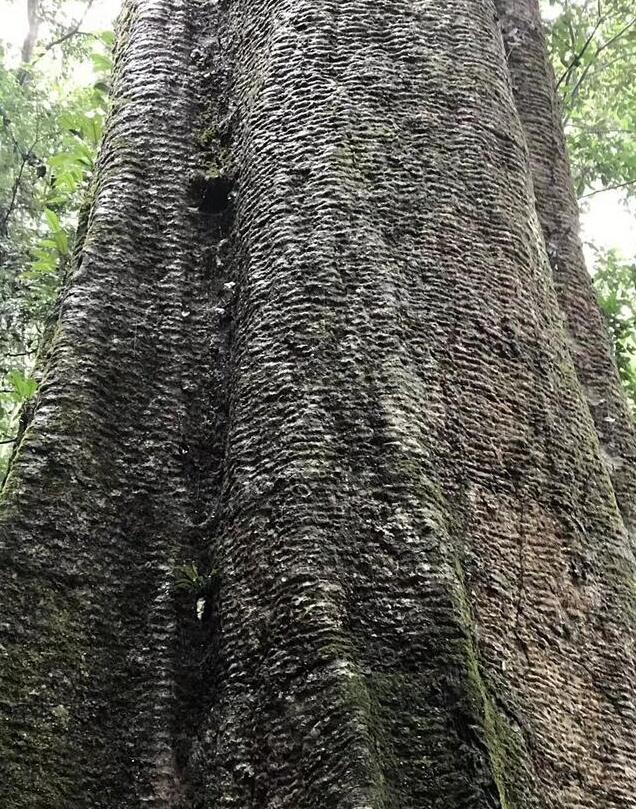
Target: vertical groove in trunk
[(314, 333), (590, 344)]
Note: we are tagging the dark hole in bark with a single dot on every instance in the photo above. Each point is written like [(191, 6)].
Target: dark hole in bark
[(212, 194)]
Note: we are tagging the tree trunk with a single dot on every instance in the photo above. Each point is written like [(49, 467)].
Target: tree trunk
[(33, 16), (590, 344), (313, 344)]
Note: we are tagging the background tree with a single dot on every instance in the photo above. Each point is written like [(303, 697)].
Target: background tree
[(593, 48)]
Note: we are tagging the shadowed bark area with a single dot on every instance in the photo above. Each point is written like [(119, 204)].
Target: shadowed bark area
[(314, 268), (590, 344)]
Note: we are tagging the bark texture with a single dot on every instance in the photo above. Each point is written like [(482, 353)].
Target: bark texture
[(109, 485), (590, 344), (314, 342)]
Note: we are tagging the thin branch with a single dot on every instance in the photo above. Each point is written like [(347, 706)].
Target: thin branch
[(9, 440), (598, 130), (575, 91), (616, 36), (593, 63), (608, 188), (16, 185), (61, 39), (6, 122), (14, 194), (73, 31), (568, 18), (576, 61)]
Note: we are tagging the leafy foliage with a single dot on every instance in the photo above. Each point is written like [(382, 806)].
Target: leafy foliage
[(615, 282), (50, 128), (187, 577), (593, 45)]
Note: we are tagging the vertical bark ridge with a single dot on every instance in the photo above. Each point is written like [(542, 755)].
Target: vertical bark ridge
[(608, 721), (537, 102), (117, 474)]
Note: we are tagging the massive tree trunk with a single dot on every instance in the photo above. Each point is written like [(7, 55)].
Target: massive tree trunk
[(313, 342)]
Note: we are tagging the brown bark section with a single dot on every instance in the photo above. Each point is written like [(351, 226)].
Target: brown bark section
[(423, 594), (537, 102)]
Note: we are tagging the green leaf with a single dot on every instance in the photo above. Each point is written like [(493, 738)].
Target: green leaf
[(61, 242), (108, 38), (24, 386), (52, 219), (101, 62), (187, 577)]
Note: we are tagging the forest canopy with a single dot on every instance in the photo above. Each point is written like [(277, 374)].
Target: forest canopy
[(55, 62)]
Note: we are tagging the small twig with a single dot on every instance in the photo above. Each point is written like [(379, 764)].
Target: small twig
[(616, 36), (6, 122), (568, 18), (75, 29), (73, 32), (14, 193), (575, 92), (568, 101), (16, 185), (576, 61), (598, 130), (9, 440), (608, 188)]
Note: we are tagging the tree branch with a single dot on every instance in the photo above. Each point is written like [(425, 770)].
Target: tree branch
[(599, 130), (73, 31), (593, 63), (616, 36), (608, 188), (576, 61), (14, 194), (16, 185)]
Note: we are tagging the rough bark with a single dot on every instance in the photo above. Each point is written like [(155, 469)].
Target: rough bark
[(313, 341), (590, 344), (109, 485)]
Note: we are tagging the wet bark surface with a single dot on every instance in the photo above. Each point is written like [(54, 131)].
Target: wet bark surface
[(313, 343)]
